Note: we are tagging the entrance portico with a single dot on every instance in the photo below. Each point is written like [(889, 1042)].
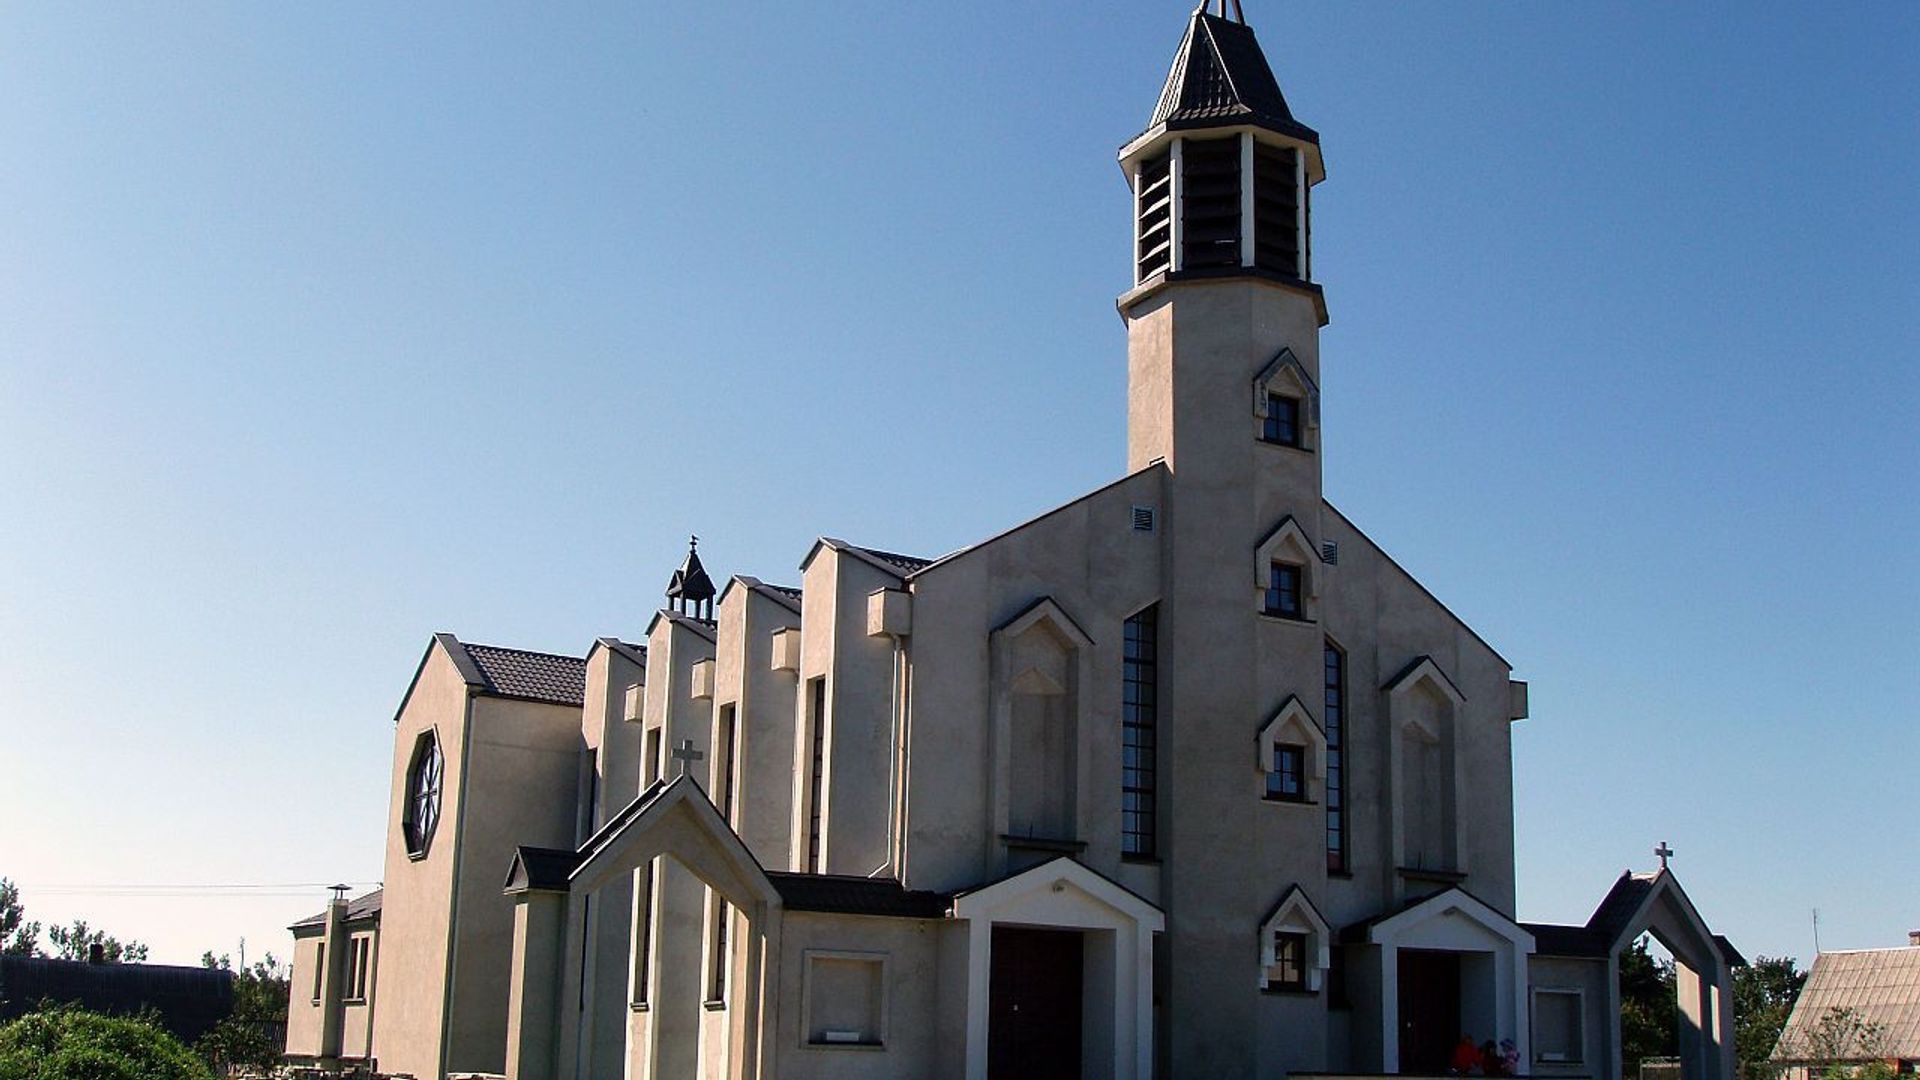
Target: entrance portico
[(1447, 965), (1059, 915)]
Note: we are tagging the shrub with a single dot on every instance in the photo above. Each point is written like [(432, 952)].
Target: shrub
[(73, 1044)]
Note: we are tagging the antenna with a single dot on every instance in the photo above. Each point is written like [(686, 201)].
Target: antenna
[(1816, 931)]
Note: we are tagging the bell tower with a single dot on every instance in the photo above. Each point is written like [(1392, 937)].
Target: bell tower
[(1222, 222), (1223, 367)]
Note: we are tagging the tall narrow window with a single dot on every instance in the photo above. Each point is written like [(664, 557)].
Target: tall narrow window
[(652, 764), (1334, 716), (1283, 591), (717, 952), (729, 736), (1282, 424), (1139, 735), (643, 930), (1277, 213), (817, 707), (1154, 213), (319, 969)]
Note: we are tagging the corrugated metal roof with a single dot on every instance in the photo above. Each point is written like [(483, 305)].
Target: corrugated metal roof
[(533, 676), (1880, 986)]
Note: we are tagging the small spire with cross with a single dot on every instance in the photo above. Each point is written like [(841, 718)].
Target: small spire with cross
[(686, 753), (1665, 853)]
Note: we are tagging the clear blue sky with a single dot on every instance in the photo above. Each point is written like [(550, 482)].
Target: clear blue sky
[(325, 327)]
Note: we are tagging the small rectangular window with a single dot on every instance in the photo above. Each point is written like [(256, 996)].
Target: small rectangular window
[(1288, 970), (1557, 1034), (844, 999), (1283, 591), (319, 969), (1287, 781), (1282, 424)]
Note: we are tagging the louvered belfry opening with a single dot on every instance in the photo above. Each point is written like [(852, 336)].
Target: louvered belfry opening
[(1153, 251), (1210, 203), (1276, 209)]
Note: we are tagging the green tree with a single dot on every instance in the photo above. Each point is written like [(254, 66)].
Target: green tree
[(249, 1035), (77, 941), (18, 937), (73, 1044), (1763, 997), (1649, 1010)]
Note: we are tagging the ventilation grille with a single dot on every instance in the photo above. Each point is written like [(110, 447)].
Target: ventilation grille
[(1330, 552), (1276, 209), (1143, 519), (1154, 249), (1210, 203)]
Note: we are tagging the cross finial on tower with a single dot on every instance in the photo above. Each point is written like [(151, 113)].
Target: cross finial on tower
[(1664, 852), (685, 754), (1238, 15)]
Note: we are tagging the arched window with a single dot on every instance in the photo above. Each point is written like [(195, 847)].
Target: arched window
[(422, 814)]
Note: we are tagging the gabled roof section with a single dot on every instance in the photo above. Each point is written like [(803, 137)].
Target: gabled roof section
[(705, 628), (1880, 986), (1220, 78), (1622, 914), (529, 676), (630, 650), (842, 895), (1155, 466), (1621, 904), (361, 907), (898, 565), (784, 595), (1382, 552), (538, 869)]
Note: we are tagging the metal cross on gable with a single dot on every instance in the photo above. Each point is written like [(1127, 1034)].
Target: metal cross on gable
[(686, 753), (1664, 852)]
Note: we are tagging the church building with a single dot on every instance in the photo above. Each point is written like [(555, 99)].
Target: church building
[(1084, 799)]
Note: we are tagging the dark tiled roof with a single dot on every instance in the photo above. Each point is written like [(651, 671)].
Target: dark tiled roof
[(787, 591), (1621, 904), (187, 1000), (1220, 77), (906, 564), (533, 676), (544, 869), (357, 908), (857, 896), (1552, 939)]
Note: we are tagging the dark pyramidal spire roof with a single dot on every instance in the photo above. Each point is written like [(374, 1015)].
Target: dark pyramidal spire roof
[(1221, 78), (691, 583)]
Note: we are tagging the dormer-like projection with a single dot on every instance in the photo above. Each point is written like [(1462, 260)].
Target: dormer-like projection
[(1221, 175)]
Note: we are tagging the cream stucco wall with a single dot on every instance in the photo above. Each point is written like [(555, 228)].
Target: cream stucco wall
[(417, 906)]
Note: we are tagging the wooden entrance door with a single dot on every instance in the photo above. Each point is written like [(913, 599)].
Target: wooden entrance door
[(1033, 1011), (1429, 1010)]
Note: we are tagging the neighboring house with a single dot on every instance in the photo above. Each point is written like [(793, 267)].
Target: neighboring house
[(186, 1000), (1880, 991), (331, 996), (1185, 778)]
